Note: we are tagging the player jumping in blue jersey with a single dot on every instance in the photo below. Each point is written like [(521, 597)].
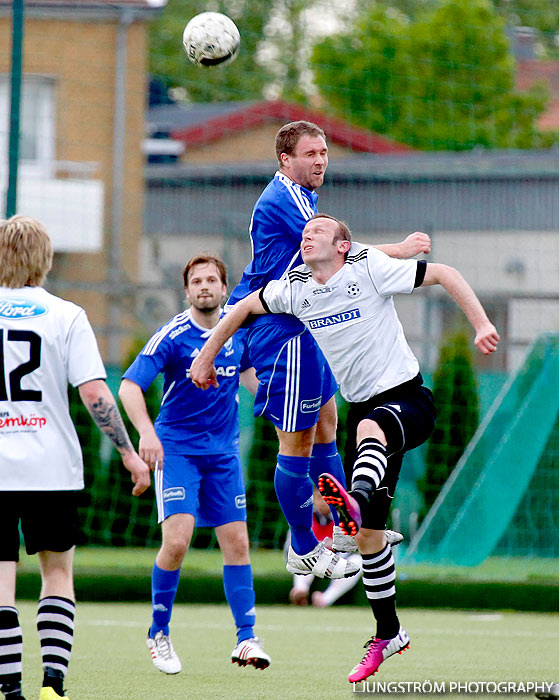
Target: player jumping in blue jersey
[(195, 443), (296, 388)]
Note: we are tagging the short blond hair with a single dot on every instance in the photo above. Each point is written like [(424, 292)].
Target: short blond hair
[(25, 252)]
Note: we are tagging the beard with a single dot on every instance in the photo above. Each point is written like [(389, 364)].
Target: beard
[(206, 306)]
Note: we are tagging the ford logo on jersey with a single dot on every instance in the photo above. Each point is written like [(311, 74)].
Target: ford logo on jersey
[(20, 308), (335, 318)]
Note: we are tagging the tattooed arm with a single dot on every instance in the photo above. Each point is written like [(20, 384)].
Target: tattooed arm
[(100, 403)]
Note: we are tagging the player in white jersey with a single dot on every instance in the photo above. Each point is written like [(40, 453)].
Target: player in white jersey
[(295, 385), (45, 343), (343, 294)]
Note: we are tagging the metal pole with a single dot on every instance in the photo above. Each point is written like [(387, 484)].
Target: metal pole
[(119, 149), (15, 102)]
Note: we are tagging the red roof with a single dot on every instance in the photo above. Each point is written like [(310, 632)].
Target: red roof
[(337, 130)]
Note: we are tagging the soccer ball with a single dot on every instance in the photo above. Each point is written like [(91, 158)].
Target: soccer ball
[(211, 39)]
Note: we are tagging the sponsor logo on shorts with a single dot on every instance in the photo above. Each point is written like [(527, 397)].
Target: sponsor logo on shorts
[(241, 501), (15, 309), (176, 493), (311, 406), (326, 321)]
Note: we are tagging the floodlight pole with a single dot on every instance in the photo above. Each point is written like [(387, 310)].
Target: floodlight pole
[(15, 104)]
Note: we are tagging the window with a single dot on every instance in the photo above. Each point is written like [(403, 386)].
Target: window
[(37, 125)]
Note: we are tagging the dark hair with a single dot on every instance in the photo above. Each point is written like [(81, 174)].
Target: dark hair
[(288, 136), (204, 259), (343, 233)]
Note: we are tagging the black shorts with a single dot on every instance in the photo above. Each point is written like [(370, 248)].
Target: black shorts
[(49, 522), (406, 415)]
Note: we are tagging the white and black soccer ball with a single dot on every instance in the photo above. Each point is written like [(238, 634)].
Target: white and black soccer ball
[(211, 39)]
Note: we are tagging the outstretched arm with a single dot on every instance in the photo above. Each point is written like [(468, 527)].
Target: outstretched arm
[(100, 403), (202, 370), (134, 402), (415, 243), (486, 334)]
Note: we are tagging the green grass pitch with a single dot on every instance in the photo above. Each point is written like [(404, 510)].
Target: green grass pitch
[(312, 652)]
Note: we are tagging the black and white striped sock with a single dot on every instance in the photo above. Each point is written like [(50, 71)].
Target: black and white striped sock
[(11, 647), (55, 624), (379, 579), (369, 468)]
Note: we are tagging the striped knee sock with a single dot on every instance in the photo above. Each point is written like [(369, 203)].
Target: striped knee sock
[(379, 579), (11, 647), (55, 624), (369, 469)]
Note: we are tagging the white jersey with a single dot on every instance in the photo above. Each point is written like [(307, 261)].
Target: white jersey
[(45, 342), (353, 319)]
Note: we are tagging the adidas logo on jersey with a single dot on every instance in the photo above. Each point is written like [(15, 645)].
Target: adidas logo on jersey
[(306, 304), (179, 330), (195, 352)]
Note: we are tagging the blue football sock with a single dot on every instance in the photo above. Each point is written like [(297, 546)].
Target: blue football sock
[(294, 492), (239, 591), (164, 586), (325, 458)]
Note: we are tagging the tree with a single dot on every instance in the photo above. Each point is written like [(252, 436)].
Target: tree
[(244, 79), (457, 404), (442, 80)]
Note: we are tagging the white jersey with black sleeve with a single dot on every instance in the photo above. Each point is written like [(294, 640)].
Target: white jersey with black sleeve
[(353, 319), (45, 343)]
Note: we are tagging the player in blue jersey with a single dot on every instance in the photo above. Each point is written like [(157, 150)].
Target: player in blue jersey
[(296, 388), (195, 442)]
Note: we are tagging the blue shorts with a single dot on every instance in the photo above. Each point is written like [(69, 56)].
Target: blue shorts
[(294, 379), (209, 487)]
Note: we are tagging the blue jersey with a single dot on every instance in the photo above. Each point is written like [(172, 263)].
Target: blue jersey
[(192, 421), (276, 229)]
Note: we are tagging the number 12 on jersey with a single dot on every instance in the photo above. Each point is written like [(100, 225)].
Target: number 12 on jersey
[(12, 382)]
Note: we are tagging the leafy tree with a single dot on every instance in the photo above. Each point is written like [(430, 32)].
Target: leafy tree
[(244, 79), (363, 74), (443, 80), (457, 404)]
